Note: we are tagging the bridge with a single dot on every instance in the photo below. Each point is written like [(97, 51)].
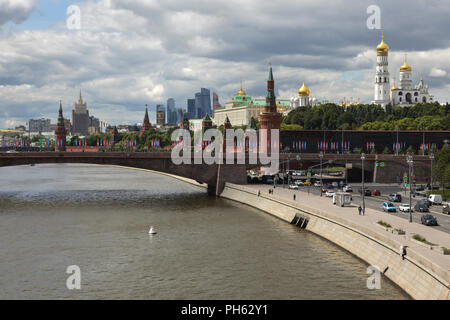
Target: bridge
[(216, 175)]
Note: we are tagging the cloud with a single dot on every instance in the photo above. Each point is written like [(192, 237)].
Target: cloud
[(436, 72), (129, 53), (16, 11)]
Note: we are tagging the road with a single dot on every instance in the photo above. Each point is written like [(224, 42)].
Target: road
[(375, 202)]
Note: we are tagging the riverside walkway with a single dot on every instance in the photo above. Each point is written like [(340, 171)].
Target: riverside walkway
[(369, 221)]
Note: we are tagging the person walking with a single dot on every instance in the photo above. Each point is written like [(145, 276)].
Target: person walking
[(294, 196), (359, 210)]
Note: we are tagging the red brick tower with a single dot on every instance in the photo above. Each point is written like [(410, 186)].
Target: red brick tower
[(270, 118), (184, 124), (226, 125), (146, 124), (60, 132)]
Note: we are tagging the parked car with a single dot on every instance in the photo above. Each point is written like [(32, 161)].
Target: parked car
[(342, 184), (428, 220), (366, 192), (395, 197), (323, 189), (435, 198), (330, 193), (421, 206), (307, 183), (293, 186), (404, 207), (335, 184), (347, 189), (298, 182), (376, 192), (329, 186), (388, 207), (420, 187), (317, 184), (446, 209)]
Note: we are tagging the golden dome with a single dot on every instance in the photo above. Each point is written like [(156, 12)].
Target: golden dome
[(393, 86), (303, 91), (382, 47), (241, 92), (405, 66)]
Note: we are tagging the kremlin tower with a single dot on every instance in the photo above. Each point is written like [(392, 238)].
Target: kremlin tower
[(60, 132), (270, 118), (146, 124), (382, 88)]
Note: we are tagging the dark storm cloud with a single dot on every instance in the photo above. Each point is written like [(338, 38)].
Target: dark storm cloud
[(131, 52)]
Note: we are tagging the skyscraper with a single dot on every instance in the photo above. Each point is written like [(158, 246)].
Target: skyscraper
[(160, 108), (171, 111), (80, 117), (203, 103), (191, 112)]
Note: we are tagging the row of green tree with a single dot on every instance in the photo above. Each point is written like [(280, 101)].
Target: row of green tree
[(427, 116)]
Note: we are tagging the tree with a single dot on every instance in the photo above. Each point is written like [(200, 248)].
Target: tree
[(441, 169)]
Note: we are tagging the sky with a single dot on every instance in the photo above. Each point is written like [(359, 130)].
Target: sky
[(128, 53)]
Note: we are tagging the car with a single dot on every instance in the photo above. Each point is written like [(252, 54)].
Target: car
[(420, 187), (298, 182), (446, 209), (421, 206), (307, 183), (329, 186), (323, 189), (376, 192), (335, 184), (12, 151), (366, 192), (404, 207), (428, 220), (342, 184), (317, 184), (435, 198), (330, 193), (293, 186), (395, 197), (388, 207), (347, 189)]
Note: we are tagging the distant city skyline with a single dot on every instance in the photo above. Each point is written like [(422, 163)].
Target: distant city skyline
[(128, 54)]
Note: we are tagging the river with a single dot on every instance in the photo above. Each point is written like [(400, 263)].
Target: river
[(98, 217)]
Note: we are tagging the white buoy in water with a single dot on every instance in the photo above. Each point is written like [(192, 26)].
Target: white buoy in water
[(152, 230)]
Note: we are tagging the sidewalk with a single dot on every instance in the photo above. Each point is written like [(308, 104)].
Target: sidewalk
[(369, 221)]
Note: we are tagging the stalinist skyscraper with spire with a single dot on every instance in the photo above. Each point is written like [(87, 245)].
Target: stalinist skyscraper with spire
[(80, 117), (381, 92)]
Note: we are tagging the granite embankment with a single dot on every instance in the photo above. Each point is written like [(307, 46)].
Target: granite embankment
[(423, 273)]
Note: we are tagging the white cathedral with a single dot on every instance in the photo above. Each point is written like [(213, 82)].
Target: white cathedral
[(303, 99), (404, 94)]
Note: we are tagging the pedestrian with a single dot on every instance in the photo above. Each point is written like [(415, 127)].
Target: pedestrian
[(259, 193), (294, 197), (334, 199), (359, 210)]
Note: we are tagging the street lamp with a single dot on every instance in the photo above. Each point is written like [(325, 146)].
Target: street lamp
[(321, 182), (410, 162), (431, 176), (363, 191)]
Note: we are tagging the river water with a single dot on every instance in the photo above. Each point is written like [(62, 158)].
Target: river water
[(98, 217)]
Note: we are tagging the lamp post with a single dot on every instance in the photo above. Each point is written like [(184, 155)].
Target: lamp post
[(410, 162), (431, 176), (321, 182), (363, 191)]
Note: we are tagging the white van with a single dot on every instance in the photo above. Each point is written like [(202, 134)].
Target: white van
[(435, 198)]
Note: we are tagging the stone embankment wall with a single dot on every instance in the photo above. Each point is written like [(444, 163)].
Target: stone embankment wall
[(416, 275)]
